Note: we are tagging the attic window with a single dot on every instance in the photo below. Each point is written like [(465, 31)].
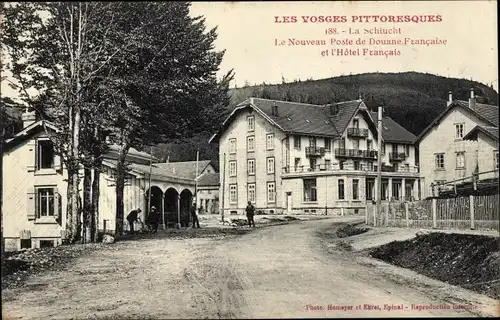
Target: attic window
[(334, 109), (288, 118), (307, 121)]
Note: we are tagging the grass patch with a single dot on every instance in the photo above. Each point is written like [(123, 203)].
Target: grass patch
[(349, 230)]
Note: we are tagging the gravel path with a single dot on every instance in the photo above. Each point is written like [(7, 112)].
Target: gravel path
[(278, 271)]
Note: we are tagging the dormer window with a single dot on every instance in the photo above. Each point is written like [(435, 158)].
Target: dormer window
[(45, 155), (334, 109), (274, 110)]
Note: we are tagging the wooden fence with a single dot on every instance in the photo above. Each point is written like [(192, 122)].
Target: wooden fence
[(472, 212)]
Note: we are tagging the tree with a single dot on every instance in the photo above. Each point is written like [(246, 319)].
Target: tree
[(62, 56), (166, 83)]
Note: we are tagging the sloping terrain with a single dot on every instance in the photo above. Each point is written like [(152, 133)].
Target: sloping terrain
[(469, 261)]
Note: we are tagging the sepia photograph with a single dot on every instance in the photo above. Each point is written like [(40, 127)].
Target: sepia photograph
[(249, 159)]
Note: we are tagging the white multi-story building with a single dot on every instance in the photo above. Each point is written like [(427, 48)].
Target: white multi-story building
[(288, 157), (462, 140)]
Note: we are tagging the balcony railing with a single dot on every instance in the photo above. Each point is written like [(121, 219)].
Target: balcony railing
[(315, 151), (336, 167), (397, 156), (356, 153), (357, 132)]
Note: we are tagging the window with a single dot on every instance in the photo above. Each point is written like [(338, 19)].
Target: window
[(328, 164), (251, 192), (355, 189), (270, 141), (296, 142), (355, 144), (312, 142), (440, 161), (270, 165), (233, 195), (297, 163), (459, 130), (383, 148), (342, 143), (370, 189), (328, 144), (407, 150), (394, 148), (45, 154), (341, 165), (370, 166), (495, 159), (369, 145), (312, 164), (250, 143), (251, 167), (271, 192), (356, 165), (396, 190), (232, 168), (232, 145), (310, 190), (341, 189), (385, 188), (45, 202), (355, 123), (460, 160), (251, 123)]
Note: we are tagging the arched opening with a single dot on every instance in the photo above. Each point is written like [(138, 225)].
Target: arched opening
[(170, 202), (156, 200), (185, 205)]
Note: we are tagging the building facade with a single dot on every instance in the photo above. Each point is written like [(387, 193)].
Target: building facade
[(292, 158), (35, 189), (463, 140)]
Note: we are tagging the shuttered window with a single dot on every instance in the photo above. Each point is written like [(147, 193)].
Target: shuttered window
[(43, 202)]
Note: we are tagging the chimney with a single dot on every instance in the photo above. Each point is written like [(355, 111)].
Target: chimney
[(472, 99), (274, 109), (29, 117), (450, 98)]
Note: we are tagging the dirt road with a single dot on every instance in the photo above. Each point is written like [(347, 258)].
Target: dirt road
[(279, 271)]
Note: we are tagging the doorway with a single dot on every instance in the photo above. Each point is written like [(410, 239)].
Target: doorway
[(289, 202)]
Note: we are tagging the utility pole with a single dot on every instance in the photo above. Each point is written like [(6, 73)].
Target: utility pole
[(379, 164), (150, 172), (196, 182)]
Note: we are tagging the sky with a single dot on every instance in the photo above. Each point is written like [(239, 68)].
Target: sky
[(248, 33), (252, 37)]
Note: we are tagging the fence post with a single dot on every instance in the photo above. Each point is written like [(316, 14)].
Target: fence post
[(471, 207), (434, 213), (366, 214), (406, 215)]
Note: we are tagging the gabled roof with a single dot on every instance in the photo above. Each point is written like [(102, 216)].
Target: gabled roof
[(488, 130), (209, 180), (486, 112), (186, 169), (310, 119), (393, 131), (38, 126)]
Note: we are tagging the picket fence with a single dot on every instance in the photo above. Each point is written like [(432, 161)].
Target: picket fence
[(472, 212)]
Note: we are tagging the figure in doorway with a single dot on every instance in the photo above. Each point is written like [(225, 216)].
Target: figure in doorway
[(153, 220), (250, 213), (132, 217), (194, 216)]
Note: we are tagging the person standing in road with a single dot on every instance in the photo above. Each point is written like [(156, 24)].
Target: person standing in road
[(194, 216), (132, 217), (250, 213)]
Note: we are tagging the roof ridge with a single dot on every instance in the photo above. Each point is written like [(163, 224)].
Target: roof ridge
[(484, 104), (301, 103), (355, 100)]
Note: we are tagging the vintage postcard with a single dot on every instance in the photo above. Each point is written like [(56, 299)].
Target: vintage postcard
[(310, 159)]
